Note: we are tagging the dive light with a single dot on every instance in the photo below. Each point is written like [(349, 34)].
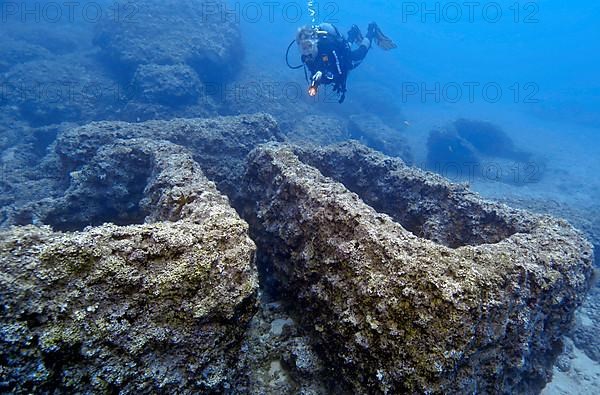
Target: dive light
[(314, 84)]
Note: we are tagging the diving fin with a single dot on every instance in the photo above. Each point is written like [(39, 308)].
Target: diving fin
[(354, 35), (382, 41)]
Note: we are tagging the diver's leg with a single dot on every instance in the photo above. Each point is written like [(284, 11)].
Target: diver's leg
[(354, 35), (359, 54)]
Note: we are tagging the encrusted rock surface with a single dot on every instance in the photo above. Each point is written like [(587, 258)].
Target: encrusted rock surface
[(428, 205), (80, 183), (587, 327), (171, 32), (481, 149), (587, 219), (156, 307), (54, 90), (219, 144), (373, 132), (392, 280), (112, 187), (277, 357), (398, 313), (174, 85), (27, 172)]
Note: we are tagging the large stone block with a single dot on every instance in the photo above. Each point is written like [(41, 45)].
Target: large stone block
[(159, 307), (170, 32), (84, 182), (219, 144), (446, 294)]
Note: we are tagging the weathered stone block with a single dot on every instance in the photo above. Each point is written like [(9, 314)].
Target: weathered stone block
[(156, 307), (480, 307)]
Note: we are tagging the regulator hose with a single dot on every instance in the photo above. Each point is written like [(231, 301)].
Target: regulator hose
[(287, 54)]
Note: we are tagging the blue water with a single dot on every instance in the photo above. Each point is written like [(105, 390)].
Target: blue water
[(529, 67), (548, 44)]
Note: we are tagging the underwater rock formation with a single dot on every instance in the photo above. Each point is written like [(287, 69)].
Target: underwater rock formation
[(80, 184), (51, 91), (392, 279), (373, 132), (27, 165), (112, 186), (425, 204), (585, 218), (172, 32), (47, 77), (173, 85), (156, 307), (319, 130), (395, 312), (171, 58), (444, 147), (219, 144), (16, 51), (489, 139), (480, 149)]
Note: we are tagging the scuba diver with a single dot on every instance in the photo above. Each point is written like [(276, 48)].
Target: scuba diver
[(329, 56)]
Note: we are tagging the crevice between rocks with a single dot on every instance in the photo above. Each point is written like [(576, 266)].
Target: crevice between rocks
[(135, 174)]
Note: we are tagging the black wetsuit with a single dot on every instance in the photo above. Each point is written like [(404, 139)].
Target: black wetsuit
[(335, 59)]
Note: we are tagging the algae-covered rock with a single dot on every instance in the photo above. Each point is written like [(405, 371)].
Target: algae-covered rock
[(124, 183), (393, 280), (54, 90), (397, 313), (424, 203), (320, 130), (218, 144), (373, 132), (171, 85), (90, 177), (156, 307), (170, 32)]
